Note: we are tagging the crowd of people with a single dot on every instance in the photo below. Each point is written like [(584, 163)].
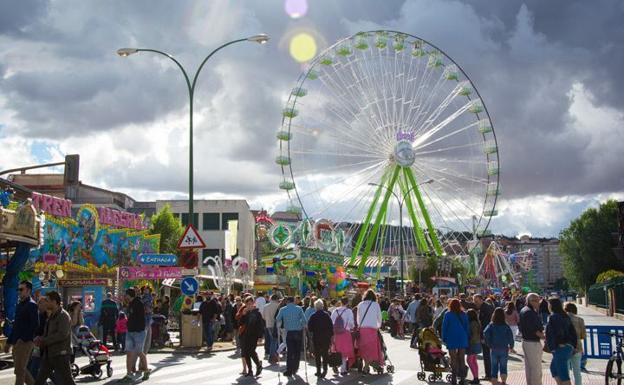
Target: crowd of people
[(340, 333)]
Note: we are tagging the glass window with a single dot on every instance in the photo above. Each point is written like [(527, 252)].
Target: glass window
[(211, 221), (225, 217), (185, 218)]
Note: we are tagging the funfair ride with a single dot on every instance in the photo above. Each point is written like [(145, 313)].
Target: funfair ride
[(383, 121), (498, 268)]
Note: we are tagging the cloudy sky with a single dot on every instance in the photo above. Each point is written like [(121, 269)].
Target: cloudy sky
[(550, 72)]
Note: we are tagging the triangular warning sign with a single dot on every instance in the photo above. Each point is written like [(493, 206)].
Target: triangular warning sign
[(191, 239)]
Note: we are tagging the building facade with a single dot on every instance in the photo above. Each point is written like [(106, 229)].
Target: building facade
[(211, 221)]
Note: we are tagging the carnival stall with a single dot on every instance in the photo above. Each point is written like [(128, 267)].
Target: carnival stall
[(81, 254)]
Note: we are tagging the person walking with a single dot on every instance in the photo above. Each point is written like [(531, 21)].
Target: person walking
[(395, 315), (121, 328), (343, 322), (424, 314), (369, 321), (561, 339), (581, 333), (165, 306), (268, 313), (532, 331), (512, 317), (135, 338), (209, 310), (108, 318), (410, 317), (291, 317), (55, 344), (321, 328), (474, 344), (253, 329), (238, 304), (148, 305), (500, 339), (35, 358), (543, 310), (23, 333), (485, 311), (455, 336)]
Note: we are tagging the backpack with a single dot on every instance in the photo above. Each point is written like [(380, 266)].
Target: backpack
[(339, 326), (255, 324)]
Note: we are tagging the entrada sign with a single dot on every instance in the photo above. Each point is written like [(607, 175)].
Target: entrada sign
[(158, 259)]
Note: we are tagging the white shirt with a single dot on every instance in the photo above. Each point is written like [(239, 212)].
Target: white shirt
[(373, 316), (347, 317), (260, 302), (268, 313)]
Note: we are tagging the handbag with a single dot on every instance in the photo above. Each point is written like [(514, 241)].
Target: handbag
[(356, 331), (334, 359)]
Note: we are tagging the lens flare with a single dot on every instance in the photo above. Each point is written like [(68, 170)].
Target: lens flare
[(296, 8), (302, 47)]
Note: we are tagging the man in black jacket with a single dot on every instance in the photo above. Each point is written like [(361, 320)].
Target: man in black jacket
[(210, 311), (23, 333), (108, 318), (485, 311)]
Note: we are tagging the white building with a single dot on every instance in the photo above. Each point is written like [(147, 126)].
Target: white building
[(211, 220)]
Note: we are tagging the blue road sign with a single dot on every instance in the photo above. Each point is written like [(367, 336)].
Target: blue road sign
[(158, 259), (189, 286)]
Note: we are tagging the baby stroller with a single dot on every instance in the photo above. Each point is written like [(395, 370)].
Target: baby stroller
[(160, 335), (386, 357), (97, 353), (432, 358)]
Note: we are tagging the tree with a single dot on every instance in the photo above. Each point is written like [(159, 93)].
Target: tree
[(587, 245), (608, 275), (561, 284), (169, 228)]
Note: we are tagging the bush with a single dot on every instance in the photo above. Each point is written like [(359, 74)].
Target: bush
[(608, 275)]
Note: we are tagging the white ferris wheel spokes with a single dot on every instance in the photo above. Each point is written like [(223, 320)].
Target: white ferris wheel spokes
[(386, 108)]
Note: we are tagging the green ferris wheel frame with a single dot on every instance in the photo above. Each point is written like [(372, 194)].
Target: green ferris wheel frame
[(395, 175)]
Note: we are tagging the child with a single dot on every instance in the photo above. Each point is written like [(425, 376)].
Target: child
[(499, 338), (121, 328), (474, 347), (435, 353)]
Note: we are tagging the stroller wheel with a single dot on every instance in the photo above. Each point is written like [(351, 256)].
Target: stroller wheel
[(390, 368), (97, 372), (449, 377), (109, 371), (75, 370), (421, 376), (432, 377)]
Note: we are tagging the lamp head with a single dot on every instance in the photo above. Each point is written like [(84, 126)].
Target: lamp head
[(123, 52), (261, 38)]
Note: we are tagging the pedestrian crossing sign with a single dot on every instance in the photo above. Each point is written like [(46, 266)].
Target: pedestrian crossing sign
[(191, 239)]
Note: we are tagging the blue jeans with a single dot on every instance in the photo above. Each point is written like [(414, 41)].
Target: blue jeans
[(499, 362), (267, 341), (208, 333), (273, 346), (575, 364), (560, 364), (294, 344)]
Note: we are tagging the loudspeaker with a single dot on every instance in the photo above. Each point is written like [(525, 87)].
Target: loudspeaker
[(72, 168)]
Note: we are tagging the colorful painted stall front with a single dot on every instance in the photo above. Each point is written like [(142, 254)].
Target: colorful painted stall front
[(89, 247)]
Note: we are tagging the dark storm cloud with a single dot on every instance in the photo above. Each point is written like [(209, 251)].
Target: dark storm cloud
[(523, 57)]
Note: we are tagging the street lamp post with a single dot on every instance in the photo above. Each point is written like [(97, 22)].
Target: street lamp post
[(401, 200), (124, 52)]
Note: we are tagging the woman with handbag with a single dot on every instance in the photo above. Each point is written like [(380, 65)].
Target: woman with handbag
[(561, 341), (321, 328), (455, 336), (343, 322), (369, 322), (474, 347)]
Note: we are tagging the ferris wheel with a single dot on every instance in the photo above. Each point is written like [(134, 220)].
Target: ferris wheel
[(385, 132)]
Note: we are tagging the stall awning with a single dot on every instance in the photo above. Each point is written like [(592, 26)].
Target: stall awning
[(374, 261)]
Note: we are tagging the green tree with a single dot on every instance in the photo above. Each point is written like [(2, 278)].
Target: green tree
[(608, 275), (587, 245), (169, 228)]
